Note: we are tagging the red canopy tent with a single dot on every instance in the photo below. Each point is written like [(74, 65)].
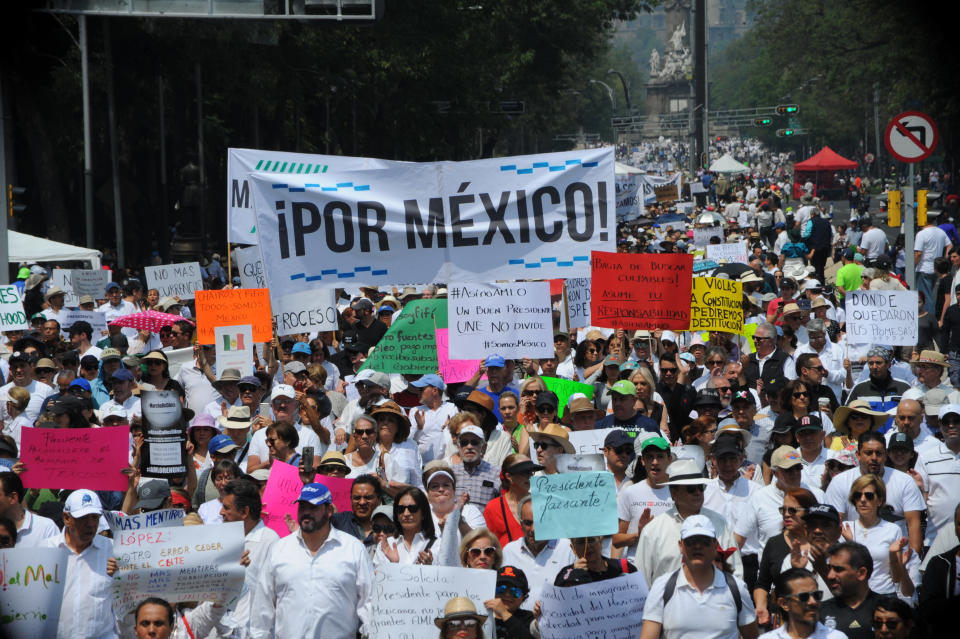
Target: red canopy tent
[(819, 170)]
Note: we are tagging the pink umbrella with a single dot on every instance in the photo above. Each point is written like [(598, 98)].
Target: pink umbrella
[(151, 321)]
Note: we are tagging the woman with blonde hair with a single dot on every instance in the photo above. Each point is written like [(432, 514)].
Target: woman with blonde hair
[(16, 398), (648, 402), (480, 549)]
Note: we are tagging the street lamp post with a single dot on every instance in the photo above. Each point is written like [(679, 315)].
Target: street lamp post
[(626, 91)]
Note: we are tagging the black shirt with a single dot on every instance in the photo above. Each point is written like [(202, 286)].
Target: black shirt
[(570, 576), (370, 335), (855, 623), (516, 627)]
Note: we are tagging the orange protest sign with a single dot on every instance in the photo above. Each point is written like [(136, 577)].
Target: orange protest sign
[(234, 307)]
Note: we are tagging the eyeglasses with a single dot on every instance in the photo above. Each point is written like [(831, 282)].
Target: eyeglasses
[(526, 522), (790, 510), (543, 444), (868, 495), (667, 371), (383, 528), (460, 624), (546, 409), (804, 597), (591, 350), (513, 591), (724, 389), (489, 551), (696, 488), (892, 624), (801, 394), (715, 362), (758, 338), (408, 508), (471, 441), (363, 432), (248, 390), (529, 393)]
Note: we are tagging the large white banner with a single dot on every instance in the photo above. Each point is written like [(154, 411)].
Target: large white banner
[(882, 317), (502, 219), (609, 609), (241, 162), (32, 582), (513, 320)]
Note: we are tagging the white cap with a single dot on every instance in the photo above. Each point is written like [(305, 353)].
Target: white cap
[(668, 336), (809, 284), (83, 502), (113, 410), (697, 525), (473, 430), (283, 390), (946, 409)]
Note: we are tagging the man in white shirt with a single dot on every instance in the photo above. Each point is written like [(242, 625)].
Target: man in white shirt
[(32, 529), (22, 374), (116, 307), (123, 396), (808, 431), (315, 583), (227, 386), (285, 408), (54, 298), (638, 504), (197, 379), (831, 357), (939, 468), (909, 419), (874, 240), (431, 416), (81, 336), (539, 560), (931, 242), (87, 608), (728, 492)]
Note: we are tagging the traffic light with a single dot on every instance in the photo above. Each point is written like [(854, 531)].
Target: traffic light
[(922, 207), (763, 121), (14, 192), (893, 208), (786, 133), (787, 109)]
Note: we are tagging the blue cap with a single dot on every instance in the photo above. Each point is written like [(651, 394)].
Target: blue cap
[(301, 347), (494, 360), (221, 444), (315, 494), (250, 380), (386, 308), (81, 383), (429, 380), (110, 286), (779, 225), (123, 375)]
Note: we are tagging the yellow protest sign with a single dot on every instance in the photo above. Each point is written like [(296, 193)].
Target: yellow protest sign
[(716, 305)]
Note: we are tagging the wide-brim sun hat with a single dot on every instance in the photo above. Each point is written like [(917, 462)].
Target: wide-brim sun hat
[(459, 608), (857, 406)]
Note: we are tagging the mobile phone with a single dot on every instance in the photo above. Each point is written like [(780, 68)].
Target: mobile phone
[(265, 409), (306, 455)]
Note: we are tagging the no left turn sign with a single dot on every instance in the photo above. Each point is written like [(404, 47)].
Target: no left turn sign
[(911, 136)]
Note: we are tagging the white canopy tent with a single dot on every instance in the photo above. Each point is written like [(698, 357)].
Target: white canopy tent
[(27, 248), (727, 164), (625, 169)]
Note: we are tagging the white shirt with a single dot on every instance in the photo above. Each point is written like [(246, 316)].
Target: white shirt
[(761, 514), (902, 494), (111, 312), (730, 502), (940, 470), (430, 438), (321, 596), (932, 241), (820, 632), (93, 350), (813, 470), (209, 511), (540, 569), (658, 552), (873, 242), (831, 358), (15, 427), (258, 443), (691, 614), (258, 542), (87, 608), (34, 530), (197, 388), (215, 410), (878, 539), (38, 392), (131, 406), (634, 499), (407, 555)]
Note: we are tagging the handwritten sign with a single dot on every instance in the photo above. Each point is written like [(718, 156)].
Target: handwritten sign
[(305, 311), (587, 442), (666, 193), (250, 267), (578, 463), (453, 370), (282, 489), (77, 282), (234, 307), (717, 305), (339, 489), (635, 291), (578, 304), (564, 388), (512, 319), (96, 319), (12, 316), (234, 346), (62, 277), (32, 583), (729, 252), (882, 317), (702, 236), (611, 609), (165, 436), (574, 505), (408, 597), (175, 280), (410, 344), (194, 563), (154, 519), (91, 458)]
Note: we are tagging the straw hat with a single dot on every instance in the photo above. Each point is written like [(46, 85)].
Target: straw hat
[(459, 608), (578, 406), (931, 357), (556, 434), (857, 406)]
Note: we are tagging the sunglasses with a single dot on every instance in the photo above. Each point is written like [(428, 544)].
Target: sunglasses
[(761, 339), (804, 597), (892, 624), (6, 539), (801, 394), (408, 508), (542, 444), (362, 432), (715, 362), (696, 488), (667, 371), (489, 551), (471, 442), (383, 528), (699, 540), (790, 510), (546, 409), (529, 393), (626, 449), (868, 495), (460, 624), (526, 522), (329, 469), (513, 591)]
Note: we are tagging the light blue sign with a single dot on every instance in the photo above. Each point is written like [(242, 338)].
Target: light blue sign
[(574, 505)]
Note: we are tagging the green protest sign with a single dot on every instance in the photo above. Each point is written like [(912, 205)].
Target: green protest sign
[(410, 344), (564, 388)]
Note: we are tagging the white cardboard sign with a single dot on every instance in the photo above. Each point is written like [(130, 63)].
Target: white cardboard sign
[(578, 302), (610, 609), (305, 311), (250, 267), (32, 582), (175, 280), (513, 320), (882, 317), (97, 320), (165, 518), (234, 346), (729, 251), (12, 315), (701, 236), (77, 282)]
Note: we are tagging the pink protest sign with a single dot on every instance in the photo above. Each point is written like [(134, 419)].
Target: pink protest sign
[(284, 486), (92, 458), (453, 370), (339, 489)]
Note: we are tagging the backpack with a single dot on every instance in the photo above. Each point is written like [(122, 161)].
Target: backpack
[(671, 586)]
